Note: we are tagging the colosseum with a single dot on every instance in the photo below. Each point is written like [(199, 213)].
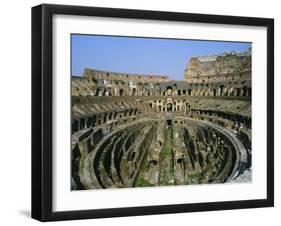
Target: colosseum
[(135, 130)]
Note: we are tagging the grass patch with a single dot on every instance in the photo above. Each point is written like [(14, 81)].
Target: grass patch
[(166, 157)]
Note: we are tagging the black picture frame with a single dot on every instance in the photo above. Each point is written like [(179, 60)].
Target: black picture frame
[(42, 111)]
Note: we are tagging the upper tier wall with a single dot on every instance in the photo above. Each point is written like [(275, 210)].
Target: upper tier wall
[(106, 75), (228, 66)]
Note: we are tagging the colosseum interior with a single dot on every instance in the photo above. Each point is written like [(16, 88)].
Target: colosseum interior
[(134, 130)]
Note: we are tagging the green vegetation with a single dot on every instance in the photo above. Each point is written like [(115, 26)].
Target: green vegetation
[(166, 160), (141, 181), (194, 178)]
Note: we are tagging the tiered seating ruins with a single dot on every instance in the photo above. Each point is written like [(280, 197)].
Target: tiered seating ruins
[(131, 130)]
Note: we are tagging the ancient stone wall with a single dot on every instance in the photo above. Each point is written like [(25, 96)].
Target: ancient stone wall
[(142, 130), (107, 75), (228, 66)]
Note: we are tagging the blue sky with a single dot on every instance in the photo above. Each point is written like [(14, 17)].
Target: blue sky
[(142, 55)]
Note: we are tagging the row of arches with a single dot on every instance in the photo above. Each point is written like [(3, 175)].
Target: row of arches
[(162, 106), (221, 90), (240, 89), (123, 76), (224, 119), (219, 77), (101, 118), (200, 91)]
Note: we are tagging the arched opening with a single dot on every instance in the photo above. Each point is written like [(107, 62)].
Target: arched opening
[(103, 92), (169, 122), (134, 92), (153, 162), (214, 92), (82, 123), (89, 122), (109, 93), (75, 126), (238, 92), (159, 108), (94, 80), (94, 120), (221, 90), (169, 107), (121, 92), (244, 91), (97, 92), (115, 115), (249, 92), (169, 90), (180, 160)]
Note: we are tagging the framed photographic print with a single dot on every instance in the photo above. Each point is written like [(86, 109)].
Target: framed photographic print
[(140, 112)]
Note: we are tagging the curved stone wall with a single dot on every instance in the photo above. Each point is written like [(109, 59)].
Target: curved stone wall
[(157, 152), (131, 130)]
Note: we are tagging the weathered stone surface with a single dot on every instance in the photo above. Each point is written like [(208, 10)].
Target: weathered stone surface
[(228, 66), (131, 130)]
